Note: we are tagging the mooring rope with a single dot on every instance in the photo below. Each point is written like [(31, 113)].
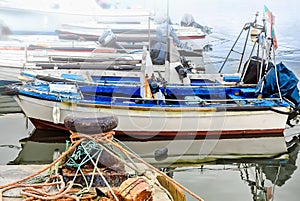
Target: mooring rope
[(66, 192), (115, 144), (28, 188)]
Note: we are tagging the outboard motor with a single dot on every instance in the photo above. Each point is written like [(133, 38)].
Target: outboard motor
[(158, 53), (154, 86), (183, 69), (182, 72), (4, 30), (188, 20), (109, 39)]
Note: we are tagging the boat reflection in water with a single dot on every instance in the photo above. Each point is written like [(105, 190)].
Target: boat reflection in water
[(260, 177)]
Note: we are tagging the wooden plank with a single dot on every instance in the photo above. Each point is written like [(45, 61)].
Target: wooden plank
[(174, 190)]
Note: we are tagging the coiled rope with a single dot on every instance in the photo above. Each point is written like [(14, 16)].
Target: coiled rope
[(65, 191)]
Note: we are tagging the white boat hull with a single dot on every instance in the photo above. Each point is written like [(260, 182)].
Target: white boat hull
[(163, 120), (196, 133)]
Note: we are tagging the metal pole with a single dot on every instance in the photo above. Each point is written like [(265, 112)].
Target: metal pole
[(243, 53), (231, 50), (276, 73)]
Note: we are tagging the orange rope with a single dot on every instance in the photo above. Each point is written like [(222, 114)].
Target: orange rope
[(110, 140), (37, 191), (33, 193), (47, 167), (43, 193), (102, 137)]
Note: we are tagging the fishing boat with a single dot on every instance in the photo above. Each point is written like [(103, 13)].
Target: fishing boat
[(135, 32), (48, 52), (20, 52), (86, 20), (43, 52), (135, 29), (190, 113)]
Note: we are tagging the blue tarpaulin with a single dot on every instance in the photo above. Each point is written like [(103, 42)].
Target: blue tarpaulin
[(287, 83)]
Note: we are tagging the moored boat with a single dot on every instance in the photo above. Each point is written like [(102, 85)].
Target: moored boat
[(178, 107), (79, 19)]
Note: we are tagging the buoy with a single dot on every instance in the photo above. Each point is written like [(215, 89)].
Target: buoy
[(56, 114), (161, 154)]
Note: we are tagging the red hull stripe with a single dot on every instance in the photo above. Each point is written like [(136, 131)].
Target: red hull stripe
[(172, 135)]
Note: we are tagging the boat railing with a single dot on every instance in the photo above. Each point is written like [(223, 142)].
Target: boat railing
[(191, 101), (197, 100), (200, 100), (138, 84), (37, 90), (127, 83)]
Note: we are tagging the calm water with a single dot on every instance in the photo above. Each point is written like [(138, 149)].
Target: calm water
[(224, 180)]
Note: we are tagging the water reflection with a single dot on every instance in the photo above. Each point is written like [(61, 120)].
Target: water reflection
[(260, 177), (40, 147), (282, 172), (276, 171), (263, 177), (259, 190)]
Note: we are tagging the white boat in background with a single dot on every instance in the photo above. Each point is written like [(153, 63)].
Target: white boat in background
[(45, 17), (20, 53), (129, 32)]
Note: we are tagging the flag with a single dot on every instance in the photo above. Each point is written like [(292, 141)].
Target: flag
[(271, 19), (268, 14)]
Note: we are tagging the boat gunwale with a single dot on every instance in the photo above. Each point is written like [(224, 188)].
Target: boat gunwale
[(180, 108)]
